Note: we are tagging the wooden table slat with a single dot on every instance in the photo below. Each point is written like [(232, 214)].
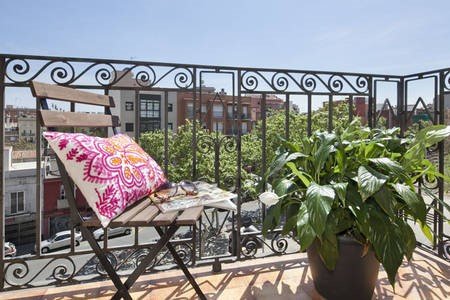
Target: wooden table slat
[(144, 217), (164, 219), (190, 216), (130, 213)]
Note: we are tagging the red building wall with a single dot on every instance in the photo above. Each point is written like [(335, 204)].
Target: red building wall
[(54, 218), (360, 107)]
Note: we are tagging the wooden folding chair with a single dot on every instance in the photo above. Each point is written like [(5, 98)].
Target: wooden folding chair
[(141, 214)]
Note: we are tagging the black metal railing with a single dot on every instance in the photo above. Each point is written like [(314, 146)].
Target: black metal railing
[(222, 235)]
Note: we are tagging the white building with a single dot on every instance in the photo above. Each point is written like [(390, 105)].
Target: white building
[(141, 111), (27, 128), (20, 199)]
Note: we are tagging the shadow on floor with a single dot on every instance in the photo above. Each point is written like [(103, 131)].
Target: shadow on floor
[(425, 277)]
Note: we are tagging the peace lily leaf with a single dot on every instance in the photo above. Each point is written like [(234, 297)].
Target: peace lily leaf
[(328, 250), (341, 190), (426, 231), (338, 221), (416, 204), (393, 167), (385, 198), (422, 134), (362, 215), (272, 218), (387, 242), (323, 152), (277, 164), (305, 233), (289, 225), (318, 202), (281, 160), (284, 187), (369, 181), (409, 238), (301, 175), (294, 147), (353, 199), (433, 134)]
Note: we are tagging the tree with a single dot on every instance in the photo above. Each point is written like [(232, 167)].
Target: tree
[(180, 147)]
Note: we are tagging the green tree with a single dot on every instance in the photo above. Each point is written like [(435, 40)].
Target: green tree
[(180, 147)]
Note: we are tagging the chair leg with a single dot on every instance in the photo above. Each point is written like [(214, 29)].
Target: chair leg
[(147, 260), (105, 263), (183, 267)]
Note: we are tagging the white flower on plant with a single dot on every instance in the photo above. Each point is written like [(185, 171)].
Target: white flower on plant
[(269, 198)]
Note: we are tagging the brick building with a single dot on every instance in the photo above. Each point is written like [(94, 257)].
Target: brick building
[(272, 103), (218, 111), (55, 211)]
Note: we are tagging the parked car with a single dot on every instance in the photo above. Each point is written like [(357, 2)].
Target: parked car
[(99, 233), (10, 249), (60, 240)]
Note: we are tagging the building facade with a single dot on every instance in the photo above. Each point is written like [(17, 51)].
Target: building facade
[(143, 111), (216, 111), (20, 199), (27, 128)]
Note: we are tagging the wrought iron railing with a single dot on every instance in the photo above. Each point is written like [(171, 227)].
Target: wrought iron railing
[(212, 241)]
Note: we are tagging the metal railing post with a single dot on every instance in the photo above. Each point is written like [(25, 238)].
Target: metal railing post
[(2, 174)]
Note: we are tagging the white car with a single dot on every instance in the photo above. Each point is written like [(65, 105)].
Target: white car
[(10, 249), (99, 234), (60, 240)]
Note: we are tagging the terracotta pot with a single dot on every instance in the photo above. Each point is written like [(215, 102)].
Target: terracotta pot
[(354, 276)]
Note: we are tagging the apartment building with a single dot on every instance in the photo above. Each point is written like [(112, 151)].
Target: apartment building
[(216, 111), (142, 111), (20, 199)]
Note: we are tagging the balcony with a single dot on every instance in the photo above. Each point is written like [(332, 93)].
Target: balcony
[(253, 266), (287, 277), (235, 116)]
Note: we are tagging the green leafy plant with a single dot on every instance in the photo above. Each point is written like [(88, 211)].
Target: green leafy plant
[(359, 182), (180, 147)]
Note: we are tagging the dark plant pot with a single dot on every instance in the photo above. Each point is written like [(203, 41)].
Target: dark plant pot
[(354, 276)]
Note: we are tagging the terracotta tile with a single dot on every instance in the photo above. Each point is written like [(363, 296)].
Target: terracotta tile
[(279, 277)]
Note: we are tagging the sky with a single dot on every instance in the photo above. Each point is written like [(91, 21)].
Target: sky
[(389, 37)]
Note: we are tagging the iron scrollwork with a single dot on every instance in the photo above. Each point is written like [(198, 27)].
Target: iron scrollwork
[(446, 80), (305, 82), (251, 243), (104, 74), (18, 273)]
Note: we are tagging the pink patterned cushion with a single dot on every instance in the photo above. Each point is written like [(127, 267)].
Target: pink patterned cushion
[(112, 173)]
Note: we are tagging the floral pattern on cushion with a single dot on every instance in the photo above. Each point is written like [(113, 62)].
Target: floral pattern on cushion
[(112, 173)]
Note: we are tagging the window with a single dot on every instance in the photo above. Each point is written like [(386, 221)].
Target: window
[(245, 112), (150, 116), (150, 106), (170, 107), (129, 127), (62, 237), (190, 110), (62, 192), (217, 126), (170, 126), (150, 126), (129, 106), (244, 127), (217, 110), (230, 111), (17, 202)]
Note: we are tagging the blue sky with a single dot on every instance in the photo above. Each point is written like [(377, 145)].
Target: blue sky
[(394, 37)]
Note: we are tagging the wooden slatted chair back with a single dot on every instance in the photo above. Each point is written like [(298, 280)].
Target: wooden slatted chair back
[(52, 119)]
